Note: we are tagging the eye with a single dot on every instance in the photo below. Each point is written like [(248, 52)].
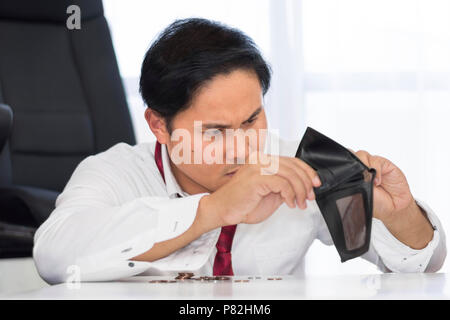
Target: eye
[(213, 132), (251, 120)]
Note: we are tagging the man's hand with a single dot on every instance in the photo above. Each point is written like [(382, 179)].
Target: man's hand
[(251, 197), (248, 197), (394, 204)]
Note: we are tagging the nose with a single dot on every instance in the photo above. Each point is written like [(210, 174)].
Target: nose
[(238, 146)]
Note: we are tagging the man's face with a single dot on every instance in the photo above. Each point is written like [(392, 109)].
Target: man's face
[(233, 101)]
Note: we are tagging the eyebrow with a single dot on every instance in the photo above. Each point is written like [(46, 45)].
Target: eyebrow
[(213, 125)]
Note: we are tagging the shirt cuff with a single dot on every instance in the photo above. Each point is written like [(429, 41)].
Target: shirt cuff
[(173, 220), (399, 257), (175, 216), (190, 258)]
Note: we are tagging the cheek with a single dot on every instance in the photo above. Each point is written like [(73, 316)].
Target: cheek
[(206, 175), (261, 129), (213, 151)]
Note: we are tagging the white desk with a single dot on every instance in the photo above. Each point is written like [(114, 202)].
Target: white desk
[(380, 286)]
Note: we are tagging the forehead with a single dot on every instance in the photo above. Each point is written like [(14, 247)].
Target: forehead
[(226, 98)]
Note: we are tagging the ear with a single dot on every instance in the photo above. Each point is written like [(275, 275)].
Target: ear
[(157, 124)]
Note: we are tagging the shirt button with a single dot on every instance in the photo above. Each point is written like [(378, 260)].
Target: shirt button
[(131, 264)]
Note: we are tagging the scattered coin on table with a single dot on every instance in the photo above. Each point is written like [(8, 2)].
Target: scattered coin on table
[(190, 276), (184, 275)]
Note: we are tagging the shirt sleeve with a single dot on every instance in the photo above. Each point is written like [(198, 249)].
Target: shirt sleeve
[(398, 257), (90, 232), (391, 255)]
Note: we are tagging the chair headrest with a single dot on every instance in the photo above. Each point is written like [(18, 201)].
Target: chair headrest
[(48, 10)]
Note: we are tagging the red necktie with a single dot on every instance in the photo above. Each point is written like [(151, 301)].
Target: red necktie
[(222, 261)]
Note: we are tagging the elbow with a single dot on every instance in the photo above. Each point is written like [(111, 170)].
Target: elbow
[(50, 264), (437, 259)]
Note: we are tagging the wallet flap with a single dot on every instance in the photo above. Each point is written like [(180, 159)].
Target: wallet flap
[(334, 163)]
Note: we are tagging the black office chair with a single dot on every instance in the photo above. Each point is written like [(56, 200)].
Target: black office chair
[(66, 102)]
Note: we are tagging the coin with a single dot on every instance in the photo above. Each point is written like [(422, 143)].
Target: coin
[(184, 275), (202, 278)]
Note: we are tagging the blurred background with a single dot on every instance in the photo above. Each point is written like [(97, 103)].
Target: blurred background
[(373, 75)]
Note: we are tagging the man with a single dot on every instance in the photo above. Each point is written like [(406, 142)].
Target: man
[(152, 209)]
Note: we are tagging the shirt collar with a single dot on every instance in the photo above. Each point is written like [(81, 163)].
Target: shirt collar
[(172, 186)]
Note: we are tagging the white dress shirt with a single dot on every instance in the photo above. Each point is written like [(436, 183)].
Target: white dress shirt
[(117, 206)]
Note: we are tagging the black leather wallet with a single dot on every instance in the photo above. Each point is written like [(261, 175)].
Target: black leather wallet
[(345, 196)]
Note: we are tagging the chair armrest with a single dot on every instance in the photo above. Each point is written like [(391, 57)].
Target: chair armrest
[(16, 241), (40, 202), (22, 210), (6, 121)]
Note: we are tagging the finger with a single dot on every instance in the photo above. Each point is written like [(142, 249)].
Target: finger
[(377, 163), (297, 183), (312, 174), (371, 162), (363, 156), (278, 184), (307, 178)]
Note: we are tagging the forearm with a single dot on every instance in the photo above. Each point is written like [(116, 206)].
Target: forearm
[(203, 223), (411, 227)]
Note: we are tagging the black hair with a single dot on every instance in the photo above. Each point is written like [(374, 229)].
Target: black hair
[(187, 54)]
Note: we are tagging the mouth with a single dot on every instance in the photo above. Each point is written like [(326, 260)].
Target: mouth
[(230, 174)]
